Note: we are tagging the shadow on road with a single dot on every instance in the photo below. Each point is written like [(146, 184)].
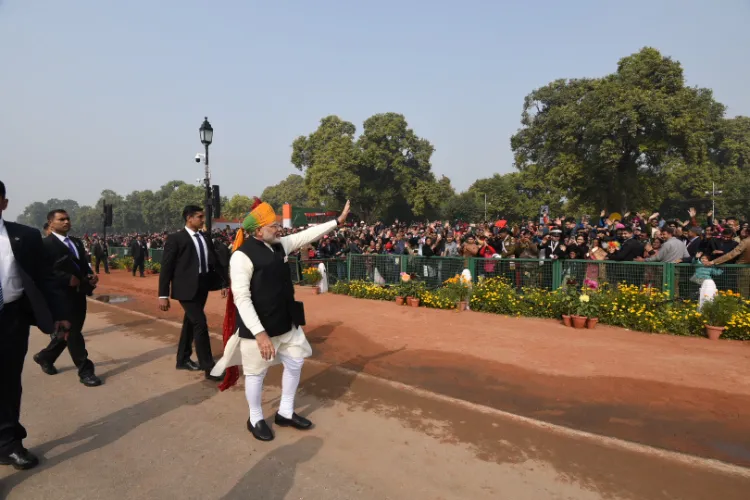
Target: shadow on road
[(272, 477), (135, 361), (332, 384), (106, 430), (118, 327), (320, 334)]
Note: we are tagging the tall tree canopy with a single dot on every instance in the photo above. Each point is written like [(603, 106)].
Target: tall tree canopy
[(515, 196), (291, 190), (618, 141), (237, 206), (386, 172), (139, 211)]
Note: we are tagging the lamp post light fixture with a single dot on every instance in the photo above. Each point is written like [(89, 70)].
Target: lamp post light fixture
[(207, 136), (713, 194)]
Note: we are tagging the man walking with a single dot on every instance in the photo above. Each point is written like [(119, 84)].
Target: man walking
[(267, 316), (70, 266), (139, 251), (189, 270), (29, 294), (101, 254)]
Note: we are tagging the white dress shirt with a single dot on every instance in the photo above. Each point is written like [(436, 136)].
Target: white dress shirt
[(241, 272), (10, 277), (200, 240), (65, 241)]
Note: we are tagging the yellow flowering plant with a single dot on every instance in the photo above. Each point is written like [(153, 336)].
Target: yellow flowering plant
[(364, 290), (438, 299), (585, 306), (311, 275), (457, 288), (722, 309), (636, 308)]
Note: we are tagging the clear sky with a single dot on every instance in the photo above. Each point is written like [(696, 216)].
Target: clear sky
[(99, 94)]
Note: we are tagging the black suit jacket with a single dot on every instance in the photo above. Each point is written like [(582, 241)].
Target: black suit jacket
[(693, 247), (179, 267), (223, 254), (139, 251), (100, 250), (65, 264), (559, 253), (42, 290), (629, 250)]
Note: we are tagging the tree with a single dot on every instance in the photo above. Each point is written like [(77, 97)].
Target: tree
[(464, 206), (291, 190), (139, 211), (237, 207), (34, 215), (386, 168), (515, 196), (614, 141), (329, 159)]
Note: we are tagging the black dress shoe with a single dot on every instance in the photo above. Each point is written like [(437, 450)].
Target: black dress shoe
[(215, 378), (189, 365), (47, 367), (296, 421), (260, 431), (91, 380), (21, 459)]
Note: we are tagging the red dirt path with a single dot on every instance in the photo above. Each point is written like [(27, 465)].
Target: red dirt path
[(685, 394)]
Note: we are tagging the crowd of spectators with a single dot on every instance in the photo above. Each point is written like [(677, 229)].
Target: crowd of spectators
[(630, 237)]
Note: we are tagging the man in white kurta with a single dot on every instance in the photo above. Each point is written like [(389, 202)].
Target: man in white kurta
[(257, 354)]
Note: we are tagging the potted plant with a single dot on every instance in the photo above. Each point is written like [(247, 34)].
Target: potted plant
[(582, 311), (718, 312), (312, 277), (411, 289), (568, 306), (592, 309), (458, 289), (152, 267), (127, 262), (402, 289)]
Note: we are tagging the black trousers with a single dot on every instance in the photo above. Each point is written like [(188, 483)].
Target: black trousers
[(139, 264), (75, 343), (195, 328), (99, 260), (14, 343)]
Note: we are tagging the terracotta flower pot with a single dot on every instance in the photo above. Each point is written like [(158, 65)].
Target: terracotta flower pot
[(463, 305), (566, 320), (399, 301), (316, 290), (412, 301), (591, 323), (579, 321), (714, 332)]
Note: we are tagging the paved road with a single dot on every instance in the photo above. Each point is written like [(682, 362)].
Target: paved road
[(154, 433), (683, 394)]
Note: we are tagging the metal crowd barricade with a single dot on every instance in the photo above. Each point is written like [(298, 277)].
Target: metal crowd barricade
[(119, 252), (156, 254), (678, 280)]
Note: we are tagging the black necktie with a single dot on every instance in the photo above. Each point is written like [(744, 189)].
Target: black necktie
[(202, 254)]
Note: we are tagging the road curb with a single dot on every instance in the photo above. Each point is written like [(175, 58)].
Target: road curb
[(606, 441)]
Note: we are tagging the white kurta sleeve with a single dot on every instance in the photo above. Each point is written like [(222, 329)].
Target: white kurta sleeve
[(240, 272), (294, 242)]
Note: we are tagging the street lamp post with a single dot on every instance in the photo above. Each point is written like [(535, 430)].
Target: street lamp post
[(713, 193), (207, 136)]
